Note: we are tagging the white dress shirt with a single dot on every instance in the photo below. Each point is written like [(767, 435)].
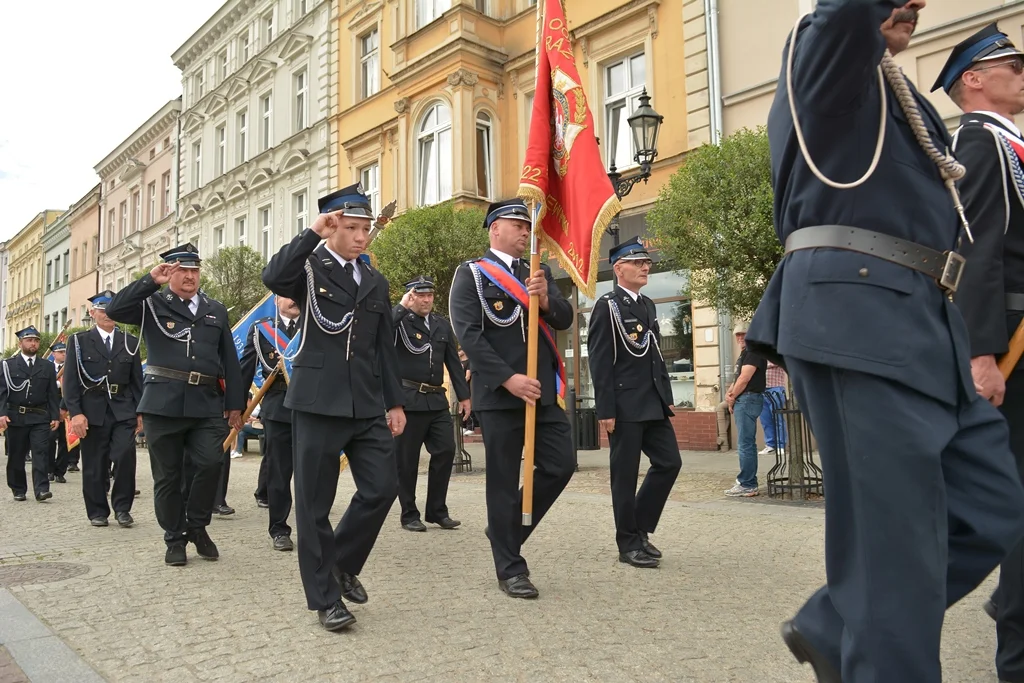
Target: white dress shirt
[(356, 275)]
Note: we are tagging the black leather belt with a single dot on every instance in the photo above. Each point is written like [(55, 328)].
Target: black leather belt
[(113, 388), (422, 388), (29, 409), (1014, 301), (945, 267), (193, 378)]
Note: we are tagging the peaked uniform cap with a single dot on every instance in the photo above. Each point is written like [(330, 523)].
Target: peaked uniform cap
[(987, 44)]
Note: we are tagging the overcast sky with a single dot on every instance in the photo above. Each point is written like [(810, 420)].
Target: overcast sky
[(78, 77)]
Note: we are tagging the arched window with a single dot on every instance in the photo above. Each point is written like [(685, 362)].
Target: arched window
[(484, 156), (435, 155)]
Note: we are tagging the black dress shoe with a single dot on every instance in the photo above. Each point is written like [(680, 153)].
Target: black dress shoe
[(351, 587), (175, 556), (519, 586), (98, 521), (60, 480), (45, 495), (262, 503), (336, 618), (283, 542), (124, 519), (649, 547), (205, 546), (223, 510), (638, 558), (19, 496), (414, 525), (990, 608), (136, 492), (73, 468), (447, 523), (806, 653), (49, 477)]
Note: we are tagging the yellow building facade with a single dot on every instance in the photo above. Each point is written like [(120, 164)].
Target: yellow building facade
[(431, 101), (25, 276)]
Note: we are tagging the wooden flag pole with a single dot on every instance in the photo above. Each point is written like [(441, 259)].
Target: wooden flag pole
[(532, 338), (1008, 362), (252, 405)]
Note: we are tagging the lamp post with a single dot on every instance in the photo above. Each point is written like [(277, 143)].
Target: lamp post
[(645, 123), (87, 319)]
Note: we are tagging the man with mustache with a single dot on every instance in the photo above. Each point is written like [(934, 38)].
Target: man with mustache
[(923, 499), (984, 76)]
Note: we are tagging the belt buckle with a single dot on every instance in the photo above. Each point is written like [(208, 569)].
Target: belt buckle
[(421, 390), (21, 410), (952, 271), (194, 377), (112, 388)]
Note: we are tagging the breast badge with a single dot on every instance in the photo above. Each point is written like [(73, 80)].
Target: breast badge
[(498, 305), (170, 324)]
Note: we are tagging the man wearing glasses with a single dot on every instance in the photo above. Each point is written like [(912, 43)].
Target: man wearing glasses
[(633, 394), (984, 76)]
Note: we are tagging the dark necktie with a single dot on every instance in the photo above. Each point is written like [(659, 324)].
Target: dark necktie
[(349, 269), (31, 362), (291, 329), (108, 344)]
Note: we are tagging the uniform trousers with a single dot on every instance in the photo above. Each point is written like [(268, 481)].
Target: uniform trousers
[(261, 478), (111, 442), (278, 485), (20, 441), (922, 501), (637, 511), (60, 458), (169, 438), (504, 433), (1009, 597), (317, 443), (433, 429)]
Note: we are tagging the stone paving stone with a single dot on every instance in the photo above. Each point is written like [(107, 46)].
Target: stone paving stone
[(10, 672), (732, 571)]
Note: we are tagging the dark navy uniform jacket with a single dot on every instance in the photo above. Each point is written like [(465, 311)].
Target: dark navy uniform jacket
[(272, 406), (842, 308), (41, 392), (122, 369), (211, 352), (627, 388), (427, 367)]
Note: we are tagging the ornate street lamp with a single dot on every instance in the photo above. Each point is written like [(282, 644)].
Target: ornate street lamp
[(87, 319), (645, 124)]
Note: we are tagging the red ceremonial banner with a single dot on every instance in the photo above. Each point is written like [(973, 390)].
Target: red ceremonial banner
[(563, 170), (72, 438)]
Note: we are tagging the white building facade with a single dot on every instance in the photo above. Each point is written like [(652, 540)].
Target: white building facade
[(3, 289), (56, 273), (254, 129)]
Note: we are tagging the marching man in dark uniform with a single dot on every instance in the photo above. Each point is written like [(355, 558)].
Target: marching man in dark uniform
[(29, 411), (59, 456), (102, 388), (426, 345), (277, 420), (343, 393), (634, 402), (984, 76), (922, 496), (192, 382), (489, 316)]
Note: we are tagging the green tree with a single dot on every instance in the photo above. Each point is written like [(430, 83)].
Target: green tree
[(713, 219), (431, 241), (233, 276)]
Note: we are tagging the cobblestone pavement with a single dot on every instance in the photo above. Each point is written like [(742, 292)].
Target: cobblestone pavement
[(732, 571)]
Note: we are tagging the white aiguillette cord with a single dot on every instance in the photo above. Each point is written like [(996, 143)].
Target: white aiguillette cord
[(949, 168)]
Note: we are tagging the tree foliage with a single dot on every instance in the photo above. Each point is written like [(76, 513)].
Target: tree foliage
[(45, 340), (714, 219), (234, 277), (431, 241)]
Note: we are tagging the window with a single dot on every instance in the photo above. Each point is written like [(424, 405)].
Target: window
[(300, 101), (120, 284), (481, 6), (483, 155), (369, 60), (428, 10), (435, 155), (152, 203), (122, 231), (74, 263), (49, 274), (265, 232), (67, 266), (369, 178), (266, 111), (111, 222), (197, 164), (244, 48), (136, 210), (63, 318), (240, 230), (56, 273), (218, 236), (152, 154), (268, 28), (46, 323), (200, 84), (220, 135), (301, 208), (165, 182), (303, 8), (624, 82), (242, 121), (222, 65)]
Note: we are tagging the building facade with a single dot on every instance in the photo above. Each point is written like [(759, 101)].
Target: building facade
[(24, 282), (137, 198), (254, 132), (84, 229), (56, 273), (432, 101), (3, 290)]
